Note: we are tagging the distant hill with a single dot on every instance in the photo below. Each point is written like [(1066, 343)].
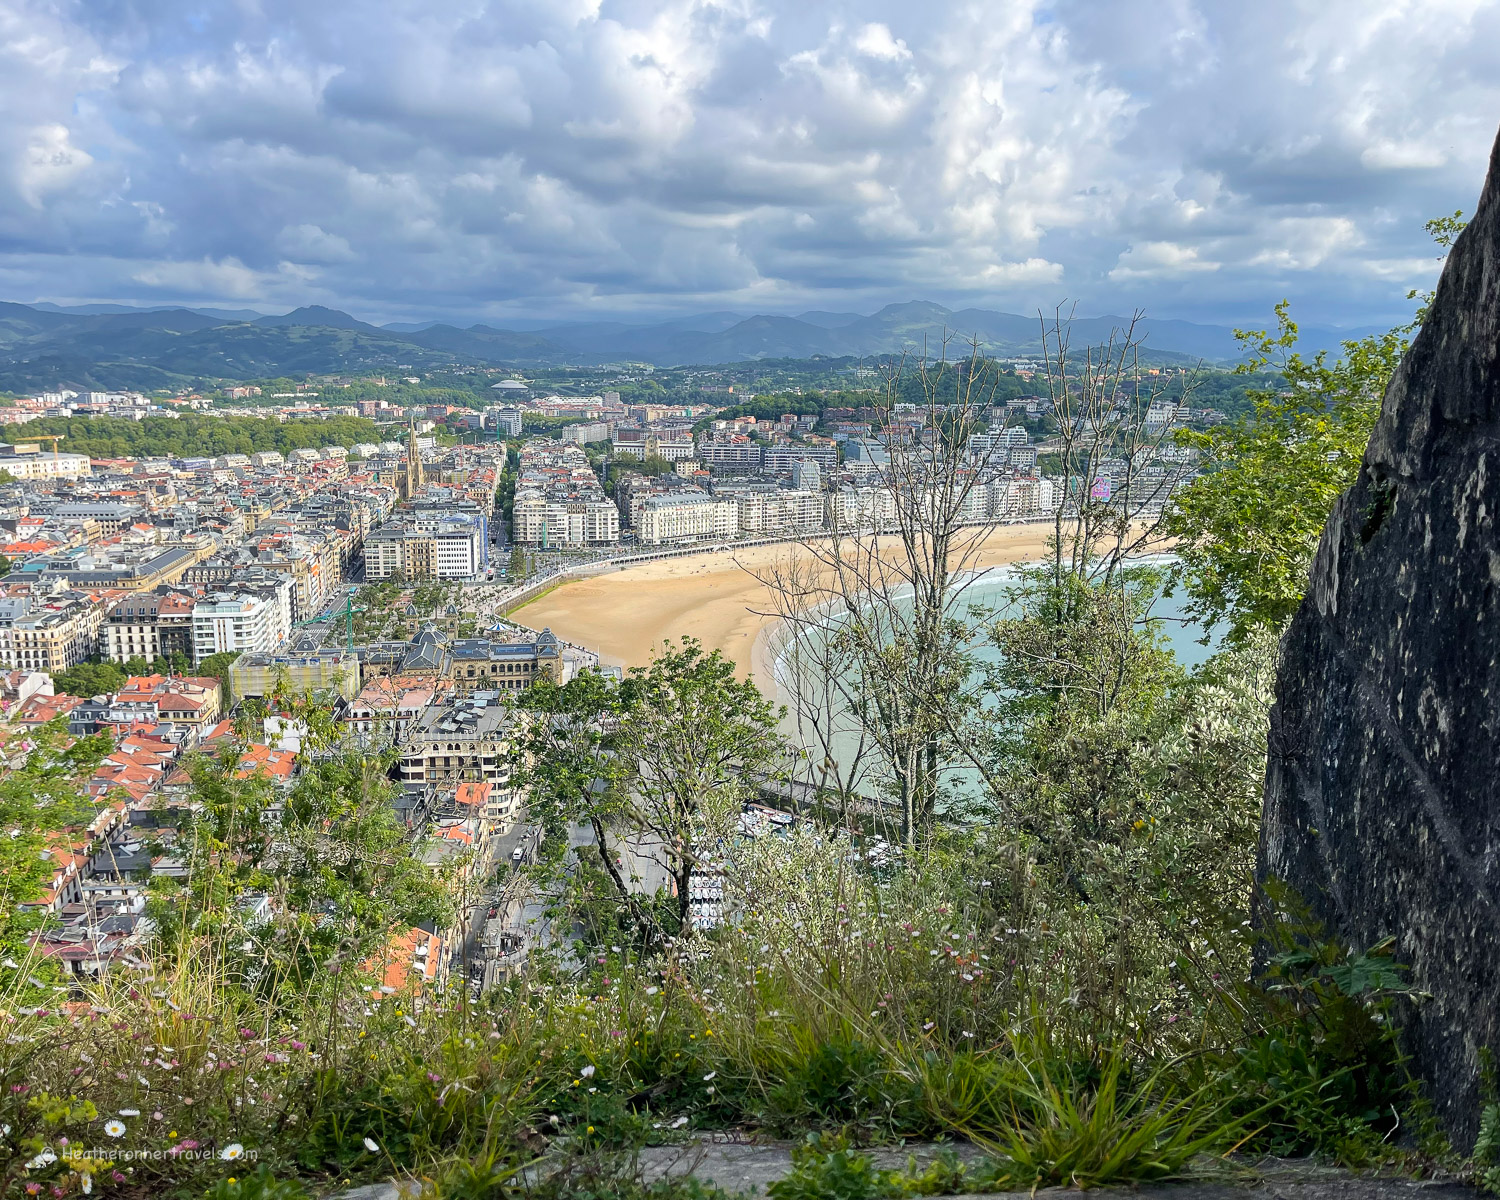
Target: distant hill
[(315, 316), (105, 346)]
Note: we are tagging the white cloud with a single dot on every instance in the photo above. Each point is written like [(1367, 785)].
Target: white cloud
[(50, 162), (458, 156), (311, 244), (1402, 156), (877, 41), (1159, 260)]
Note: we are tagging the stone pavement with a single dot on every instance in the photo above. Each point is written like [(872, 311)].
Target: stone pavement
[(749, 1167)]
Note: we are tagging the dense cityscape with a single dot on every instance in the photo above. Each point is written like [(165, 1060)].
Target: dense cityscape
[(159, 600), (741, 600)]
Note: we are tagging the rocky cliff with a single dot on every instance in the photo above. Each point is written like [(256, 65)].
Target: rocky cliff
[(1382, 802)]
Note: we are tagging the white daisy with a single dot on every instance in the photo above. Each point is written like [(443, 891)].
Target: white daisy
[(232, 1151), (114, 1128), (130, 1112), (372, 1145)]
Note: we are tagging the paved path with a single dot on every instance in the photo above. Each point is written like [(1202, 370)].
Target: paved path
[(749, 1167)]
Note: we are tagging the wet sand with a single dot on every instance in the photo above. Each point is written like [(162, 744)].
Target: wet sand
[(624, 615)]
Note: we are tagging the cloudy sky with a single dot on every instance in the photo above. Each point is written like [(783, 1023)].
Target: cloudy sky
[(485, 159)]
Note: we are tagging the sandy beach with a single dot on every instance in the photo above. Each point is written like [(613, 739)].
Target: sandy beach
[(712, 596)]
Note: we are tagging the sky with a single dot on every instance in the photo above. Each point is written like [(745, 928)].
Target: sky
[(581, 159)]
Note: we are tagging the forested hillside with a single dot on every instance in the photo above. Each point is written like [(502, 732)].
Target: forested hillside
[(191, 436)]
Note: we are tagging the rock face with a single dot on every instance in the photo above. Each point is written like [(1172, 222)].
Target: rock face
[(1382, 803)]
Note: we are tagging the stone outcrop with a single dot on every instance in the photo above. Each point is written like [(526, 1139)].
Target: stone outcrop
[(1382, 803)]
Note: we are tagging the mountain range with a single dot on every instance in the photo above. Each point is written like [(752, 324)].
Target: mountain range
[(97, 346)]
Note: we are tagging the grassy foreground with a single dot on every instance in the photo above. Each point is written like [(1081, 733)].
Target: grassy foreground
[(944, 1000)]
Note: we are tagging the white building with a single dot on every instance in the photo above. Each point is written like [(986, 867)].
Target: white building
[(508, 421), (458, 551), (861, 508), (588, 431), (806, 475), (685, 517), (781, 511), (240, 622), (24, 462), (1023, 497), (558, 500), (554, 522)]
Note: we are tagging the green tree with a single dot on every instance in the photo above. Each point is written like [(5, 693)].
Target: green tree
[(4, 566), (329, 852), (1130, 785), (1247, 527), (217, 666), (90, 679), (517, 570), (663, 758), (41, 795)]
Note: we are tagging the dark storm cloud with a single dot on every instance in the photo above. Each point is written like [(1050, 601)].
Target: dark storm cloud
[(472, 159)]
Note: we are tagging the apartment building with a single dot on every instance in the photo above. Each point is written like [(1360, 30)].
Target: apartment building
[(552, 523), (586, 431), (687, 516), (324, 672), (779, 459), (149, 625), (56, 634), (31, 462), (245, 622), (453, 548), (1022, 497), (769, 511), (558, 500), (860, 508), (468, 741), (731, 452), (506, 421)]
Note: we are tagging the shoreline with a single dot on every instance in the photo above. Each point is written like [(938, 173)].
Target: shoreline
[(624, 615)]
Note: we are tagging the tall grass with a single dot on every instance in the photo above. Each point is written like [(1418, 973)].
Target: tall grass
[(949, 998)]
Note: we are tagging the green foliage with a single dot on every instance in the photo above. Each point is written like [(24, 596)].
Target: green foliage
[(1444, 231), (1321, 1065), (836, 1082), (330, 848), (1134, 786), (191, 435), (41, 797), (36, 1128), (651, 464), (668, 754), (90, 679), (1487, 1149), (833, 1172), (262, 1185), (1247, 528), (217, 666), (1112, 1133)]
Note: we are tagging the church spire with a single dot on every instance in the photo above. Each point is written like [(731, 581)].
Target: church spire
[(413, 462)]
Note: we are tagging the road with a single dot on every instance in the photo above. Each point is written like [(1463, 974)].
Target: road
[(496, 863)]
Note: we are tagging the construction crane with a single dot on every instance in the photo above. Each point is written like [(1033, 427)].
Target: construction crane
[(54, 438), (347, 613)]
